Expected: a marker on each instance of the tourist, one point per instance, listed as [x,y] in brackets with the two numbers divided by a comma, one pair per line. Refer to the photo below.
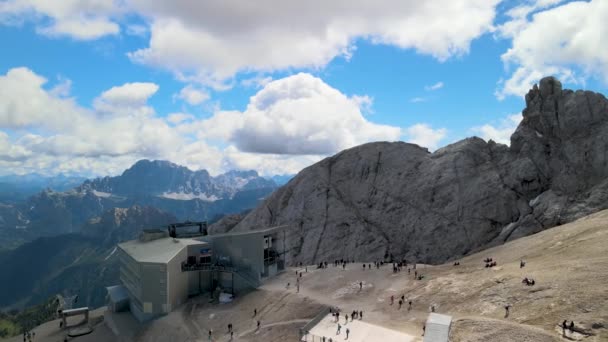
[347,332]
[363,266]
[572,326]
[507,310]
[210,334]
[255,312]
[360,285]
[392,299]
[564,326]
[400,303]
[345,319]
[410,306]
[360,315]
[258,326]
[339,327]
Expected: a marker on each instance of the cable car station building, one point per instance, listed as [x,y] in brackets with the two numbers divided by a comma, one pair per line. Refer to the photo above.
[162,269]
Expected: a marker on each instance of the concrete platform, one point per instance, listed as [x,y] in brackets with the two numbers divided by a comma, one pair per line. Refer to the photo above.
[360,331]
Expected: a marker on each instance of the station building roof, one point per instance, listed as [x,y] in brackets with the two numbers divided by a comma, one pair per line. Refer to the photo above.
[159,251]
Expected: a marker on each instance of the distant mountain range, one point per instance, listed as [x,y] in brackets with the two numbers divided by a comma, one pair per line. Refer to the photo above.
[167,180]
[175,189]
[14,188]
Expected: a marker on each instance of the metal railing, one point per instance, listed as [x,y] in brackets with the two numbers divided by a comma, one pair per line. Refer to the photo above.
[305,330]
[206,267]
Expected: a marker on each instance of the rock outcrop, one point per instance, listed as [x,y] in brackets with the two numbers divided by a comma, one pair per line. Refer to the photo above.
[381,199]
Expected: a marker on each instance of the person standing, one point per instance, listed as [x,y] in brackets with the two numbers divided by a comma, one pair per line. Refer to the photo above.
[347,332]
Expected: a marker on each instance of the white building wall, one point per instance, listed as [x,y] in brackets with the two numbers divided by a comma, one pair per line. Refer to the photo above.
[178,281]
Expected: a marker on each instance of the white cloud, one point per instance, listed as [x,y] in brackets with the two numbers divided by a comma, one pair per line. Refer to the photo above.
[301,114]
[212,41]
[177,118]
[364,102]
[256,81]
[82,20]
[500,133]
[289,124]
[425,136]
[418,99]
[24,103]
[569,41]
[127,99]
[435,86]
[137,30]
[267,164]
[192,95]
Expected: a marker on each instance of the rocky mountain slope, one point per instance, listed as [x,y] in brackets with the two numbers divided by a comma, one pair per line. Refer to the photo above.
[383,199]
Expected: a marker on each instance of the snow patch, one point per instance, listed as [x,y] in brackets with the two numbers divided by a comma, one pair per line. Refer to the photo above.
[101,194]
[111,253]
[182,196]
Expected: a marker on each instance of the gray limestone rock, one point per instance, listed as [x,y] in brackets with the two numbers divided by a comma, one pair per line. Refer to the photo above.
[384,199]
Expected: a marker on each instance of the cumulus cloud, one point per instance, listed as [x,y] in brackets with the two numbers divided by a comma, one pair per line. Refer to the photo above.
[569,41]
[425,136]
[115,127]
[177,118]
[127,99]
[82,20]
[287,125]
[433,87]
[300,115]
[193,95]
[256,81]
[501,132]
[212,41]
[24,103]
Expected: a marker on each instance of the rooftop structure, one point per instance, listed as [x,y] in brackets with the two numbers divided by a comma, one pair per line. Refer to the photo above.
[157,251]
[437,328]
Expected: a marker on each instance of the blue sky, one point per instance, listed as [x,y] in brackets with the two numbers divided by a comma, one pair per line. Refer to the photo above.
[89,88]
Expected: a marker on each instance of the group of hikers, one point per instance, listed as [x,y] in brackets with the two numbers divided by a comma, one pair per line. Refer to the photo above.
[528,281]
[490,262]
[402,301]
[565,326]
[355,314]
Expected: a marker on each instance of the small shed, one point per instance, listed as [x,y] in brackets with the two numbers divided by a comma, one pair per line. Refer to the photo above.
[118,298]
[437,328]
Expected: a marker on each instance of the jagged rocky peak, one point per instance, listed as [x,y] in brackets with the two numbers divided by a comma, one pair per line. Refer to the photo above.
[381,199]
